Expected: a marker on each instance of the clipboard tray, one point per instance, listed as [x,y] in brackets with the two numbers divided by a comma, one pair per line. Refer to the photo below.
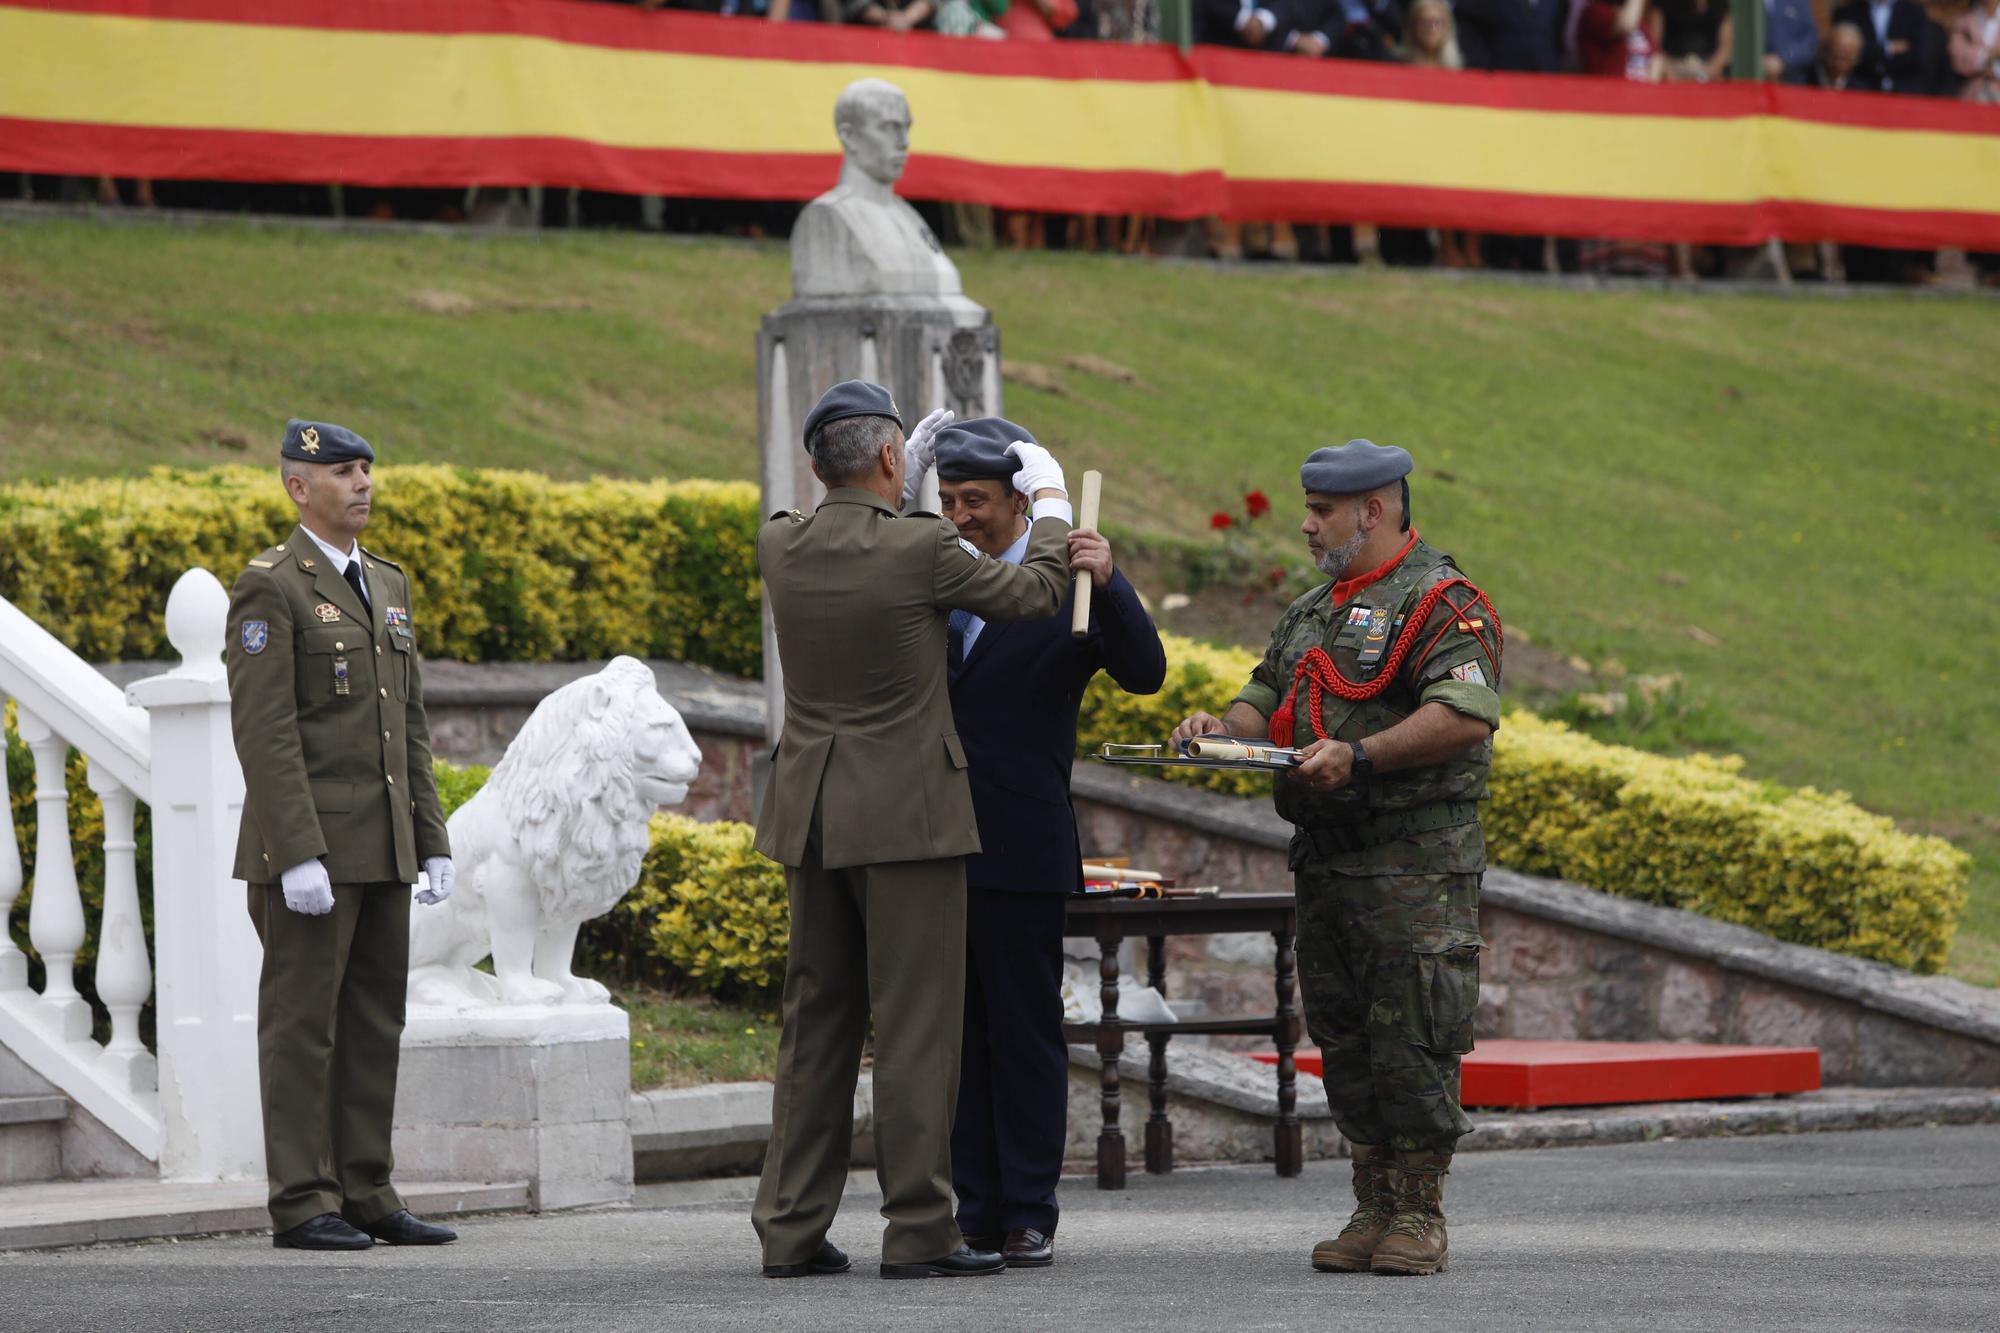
[1236,752]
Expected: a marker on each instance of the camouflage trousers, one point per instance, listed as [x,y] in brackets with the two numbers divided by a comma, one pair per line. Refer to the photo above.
[1389,968]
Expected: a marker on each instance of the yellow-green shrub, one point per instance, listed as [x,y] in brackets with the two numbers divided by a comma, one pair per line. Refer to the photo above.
[508,566]
[714,909]
[1802,865]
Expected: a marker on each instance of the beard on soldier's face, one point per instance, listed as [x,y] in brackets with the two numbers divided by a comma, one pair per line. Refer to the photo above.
[1333,560]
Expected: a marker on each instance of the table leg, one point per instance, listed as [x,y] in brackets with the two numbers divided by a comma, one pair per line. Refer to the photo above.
[1159,1129]
[1290,1149]
[1110,1045]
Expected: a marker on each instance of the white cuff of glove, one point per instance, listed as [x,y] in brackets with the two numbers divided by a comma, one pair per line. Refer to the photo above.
[1055,507]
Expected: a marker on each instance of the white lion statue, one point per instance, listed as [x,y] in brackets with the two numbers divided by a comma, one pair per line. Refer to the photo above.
[554,838]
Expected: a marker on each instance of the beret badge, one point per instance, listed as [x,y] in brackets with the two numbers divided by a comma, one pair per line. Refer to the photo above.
[309,439]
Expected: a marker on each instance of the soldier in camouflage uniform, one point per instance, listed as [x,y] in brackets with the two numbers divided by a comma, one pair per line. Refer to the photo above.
[1389,678]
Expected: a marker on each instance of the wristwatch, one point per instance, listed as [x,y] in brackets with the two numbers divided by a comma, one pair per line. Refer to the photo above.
[1362,767]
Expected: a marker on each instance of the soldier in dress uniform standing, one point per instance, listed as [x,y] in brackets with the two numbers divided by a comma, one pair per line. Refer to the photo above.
[1389,677]
[869,811]
[340,812]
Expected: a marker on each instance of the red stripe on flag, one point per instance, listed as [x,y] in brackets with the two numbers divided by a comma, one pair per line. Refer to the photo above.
[1584,215]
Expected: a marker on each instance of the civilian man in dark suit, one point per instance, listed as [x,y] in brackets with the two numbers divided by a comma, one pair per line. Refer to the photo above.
[1898,48]
[1015,691]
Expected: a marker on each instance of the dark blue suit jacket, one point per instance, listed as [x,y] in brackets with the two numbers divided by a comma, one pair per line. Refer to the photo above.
[1015,700]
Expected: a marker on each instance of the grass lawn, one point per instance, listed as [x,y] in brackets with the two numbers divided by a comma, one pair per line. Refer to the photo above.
[1786,502]
[680,1041]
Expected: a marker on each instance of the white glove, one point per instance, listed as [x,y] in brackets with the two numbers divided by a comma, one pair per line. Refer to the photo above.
[440,871]
[307,888]
[920,452]
[1039,469]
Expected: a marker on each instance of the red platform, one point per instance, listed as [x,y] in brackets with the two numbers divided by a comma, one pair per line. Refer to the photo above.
[1528,1075]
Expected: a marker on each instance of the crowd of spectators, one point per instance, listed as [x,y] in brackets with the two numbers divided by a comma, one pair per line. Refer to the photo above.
[1946,48]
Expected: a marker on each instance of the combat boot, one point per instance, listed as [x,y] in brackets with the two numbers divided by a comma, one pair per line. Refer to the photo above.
[1415,1241]
[1351,1250]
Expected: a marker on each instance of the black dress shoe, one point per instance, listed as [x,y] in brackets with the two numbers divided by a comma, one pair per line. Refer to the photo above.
[399,1228]
[961,1262]
[1028,1248]
[828,1258]
[328,1231]
[984,1240]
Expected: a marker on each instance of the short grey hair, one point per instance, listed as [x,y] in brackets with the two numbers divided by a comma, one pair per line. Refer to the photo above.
[845,449]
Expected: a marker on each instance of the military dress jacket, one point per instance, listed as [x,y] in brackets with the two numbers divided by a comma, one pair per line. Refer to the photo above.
[860,598]
[326,703]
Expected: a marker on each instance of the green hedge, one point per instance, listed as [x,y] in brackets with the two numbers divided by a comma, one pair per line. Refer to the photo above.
[508,566]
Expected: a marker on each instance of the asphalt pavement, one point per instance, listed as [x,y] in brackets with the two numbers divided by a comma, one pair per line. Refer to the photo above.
[1874,1230]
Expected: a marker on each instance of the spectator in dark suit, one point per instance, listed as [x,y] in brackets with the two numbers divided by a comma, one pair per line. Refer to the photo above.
[1899,50]
[1791,40]
[1015,692]
[1255,25]
[1520,35]
[1838,68]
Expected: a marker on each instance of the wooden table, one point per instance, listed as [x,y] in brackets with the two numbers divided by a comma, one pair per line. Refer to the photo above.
[1110,921]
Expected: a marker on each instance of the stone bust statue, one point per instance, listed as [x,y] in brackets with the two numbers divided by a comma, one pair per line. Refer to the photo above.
[859,238]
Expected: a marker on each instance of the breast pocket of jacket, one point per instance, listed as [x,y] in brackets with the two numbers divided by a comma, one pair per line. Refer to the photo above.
[328,656]
[399,665]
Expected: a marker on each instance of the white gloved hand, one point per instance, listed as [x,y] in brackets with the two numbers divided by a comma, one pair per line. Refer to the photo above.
[1039,470]
[920,452]
[307,888]
[440,871]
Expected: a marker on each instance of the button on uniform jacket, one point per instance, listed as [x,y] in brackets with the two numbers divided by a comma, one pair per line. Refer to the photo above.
[1016,699]
[341,775]
[860,598]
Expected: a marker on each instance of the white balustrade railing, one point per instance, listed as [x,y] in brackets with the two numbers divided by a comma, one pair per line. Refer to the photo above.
[192,1105]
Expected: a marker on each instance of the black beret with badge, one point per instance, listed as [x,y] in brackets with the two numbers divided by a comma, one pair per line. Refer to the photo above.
[850,398]
[1354,468]
[976,450]
[323,442]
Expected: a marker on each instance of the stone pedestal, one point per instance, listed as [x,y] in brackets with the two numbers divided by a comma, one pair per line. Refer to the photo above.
[928,351]
[539,1093]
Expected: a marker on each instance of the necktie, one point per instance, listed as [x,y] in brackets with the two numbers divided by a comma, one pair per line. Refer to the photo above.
[353,574]
[960,622]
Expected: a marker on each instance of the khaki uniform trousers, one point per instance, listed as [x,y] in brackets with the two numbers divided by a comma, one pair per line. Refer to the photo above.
[888,939]
[329,1033]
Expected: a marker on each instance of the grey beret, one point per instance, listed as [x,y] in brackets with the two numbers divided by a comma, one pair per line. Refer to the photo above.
[850,398]
[976,450]
[323,442]
[1354,468]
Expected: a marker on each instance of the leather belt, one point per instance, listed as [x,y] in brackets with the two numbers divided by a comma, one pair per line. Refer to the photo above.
[1336,839]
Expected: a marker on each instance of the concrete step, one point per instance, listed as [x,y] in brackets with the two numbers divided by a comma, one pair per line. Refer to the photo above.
[31,1137]
[89,1212]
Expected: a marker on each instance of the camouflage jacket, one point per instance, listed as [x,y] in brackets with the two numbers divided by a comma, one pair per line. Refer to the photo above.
[1419,820]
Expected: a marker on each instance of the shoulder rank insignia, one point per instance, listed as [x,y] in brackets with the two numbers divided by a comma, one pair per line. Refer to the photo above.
[327,612]
[256,633]
[260,564]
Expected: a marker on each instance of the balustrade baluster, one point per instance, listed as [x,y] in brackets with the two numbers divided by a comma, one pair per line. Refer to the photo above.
[55,913]
[124,973]
[13,963]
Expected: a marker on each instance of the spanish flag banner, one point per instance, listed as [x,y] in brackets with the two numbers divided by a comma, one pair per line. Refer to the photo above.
[568,93]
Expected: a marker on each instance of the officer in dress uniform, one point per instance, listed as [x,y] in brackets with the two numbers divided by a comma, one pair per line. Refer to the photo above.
[1389,677]
[869,812]
[340,811]
[1015,692]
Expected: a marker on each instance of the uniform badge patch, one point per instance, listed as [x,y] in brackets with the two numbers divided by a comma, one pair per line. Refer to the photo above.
[327,612]
[309,439]
[1469,673]
[1357,615]
[970,549]
[394,616]
[256,633]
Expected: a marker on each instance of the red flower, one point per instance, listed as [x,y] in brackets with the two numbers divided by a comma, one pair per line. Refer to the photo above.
[1276,575]
[1219,520]
[1257,503]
